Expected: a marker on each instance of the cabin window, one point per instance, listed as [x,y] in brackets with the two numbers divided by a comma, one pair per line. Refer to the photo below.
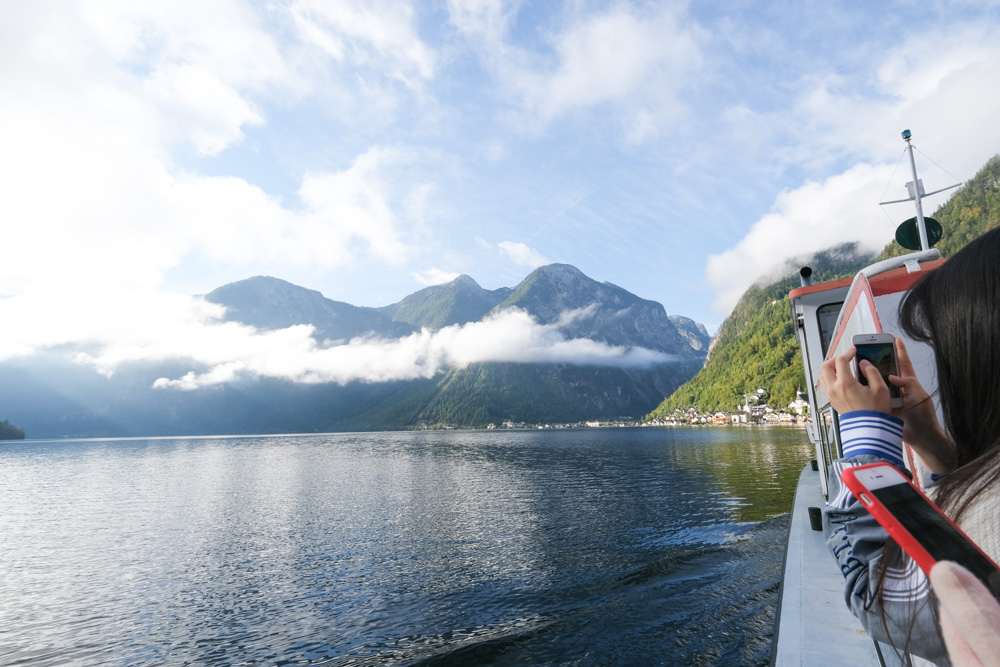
[828,425]
[826,317]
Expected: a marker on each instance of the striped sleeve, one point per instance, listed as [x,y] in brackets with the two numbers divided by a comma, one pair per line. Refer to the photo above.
[872,432]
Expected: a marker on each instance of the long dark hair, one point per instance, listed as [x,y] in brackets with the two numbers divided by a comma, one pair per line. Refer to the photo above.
[956,310]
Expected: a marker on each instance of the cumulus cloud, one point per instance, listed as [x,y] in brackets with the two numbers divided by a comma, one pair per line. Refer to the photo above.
[107,100]
[523,254]
[807,219]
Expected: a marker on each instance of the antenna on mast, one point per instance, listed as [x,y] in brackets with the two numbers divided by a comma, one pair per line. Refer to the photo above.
[915,188]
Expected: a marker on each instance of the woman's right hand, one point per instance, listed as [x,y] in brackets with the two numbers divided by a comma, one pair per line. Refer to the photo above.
[921,429]
[845,392]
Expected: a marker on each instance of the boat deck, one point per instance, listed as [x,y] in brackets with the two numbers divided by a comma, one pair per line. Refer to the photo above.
[814,625]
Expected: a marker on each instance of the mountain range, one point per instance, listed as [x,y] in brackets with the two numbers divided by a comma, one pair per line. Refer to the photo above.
[50,395]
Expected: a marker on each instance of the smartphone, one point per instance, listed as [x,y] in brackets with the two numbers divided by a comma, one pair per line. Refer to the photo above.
[916,523]
[880,351]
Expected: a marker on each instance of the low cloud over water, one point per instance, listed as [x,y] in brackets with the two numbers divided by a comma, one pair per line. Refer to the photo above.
[173,327]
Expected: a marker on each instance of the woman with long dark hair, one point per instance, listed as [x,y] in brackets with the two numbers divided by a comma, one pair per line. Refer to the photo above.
[956,310]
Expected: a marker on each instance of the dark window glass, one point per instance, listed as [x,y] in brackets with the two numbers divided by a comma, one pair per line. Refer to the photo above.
[826,317]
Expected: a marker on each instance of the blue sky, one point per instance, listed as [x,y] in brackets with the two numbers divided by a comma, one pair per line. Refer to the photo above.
[369,148]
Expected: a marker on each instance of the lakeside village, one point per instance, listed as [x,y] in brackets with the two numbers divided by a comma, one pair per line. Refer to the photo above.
[754,410]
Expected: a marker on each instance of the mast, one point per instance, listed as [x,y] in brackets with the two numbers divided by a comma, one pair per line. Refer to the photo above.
[916,188]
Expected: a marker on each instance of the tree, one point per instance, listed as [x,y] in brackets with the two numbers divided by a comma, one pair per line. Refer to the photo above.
[10,432]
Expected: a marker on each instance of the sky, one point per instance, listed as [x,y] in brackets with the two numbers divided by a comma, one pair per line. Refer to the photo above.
[151,152]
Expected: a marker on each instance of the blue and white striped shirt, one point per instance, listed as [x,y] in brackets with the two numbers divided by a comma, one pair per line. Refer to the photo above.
[872,432]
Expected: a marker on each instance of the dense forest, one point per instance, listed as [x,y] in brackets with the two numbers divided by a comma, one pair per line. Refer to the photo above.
[756,346]
[10,432]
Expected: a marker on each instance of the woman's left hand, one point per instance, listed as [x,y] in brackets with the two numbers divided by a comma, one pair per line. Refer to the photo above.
[846,393]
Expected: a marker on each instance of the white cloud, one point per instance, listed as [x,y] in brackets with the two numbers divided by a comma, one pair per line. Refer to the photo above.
[372,36]
[613,57]
[485,20]
[103,100]
[354,204]
[231,350]
[915,88]
[133,325]
[522,254]
[637,61]
[128,224]
[434,276]
[126,323]
[198,103]
[919,90]
[813,217]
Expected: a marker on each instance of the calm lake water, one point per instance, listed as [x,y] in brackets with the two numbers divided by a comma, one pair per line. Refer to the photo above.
[580,547]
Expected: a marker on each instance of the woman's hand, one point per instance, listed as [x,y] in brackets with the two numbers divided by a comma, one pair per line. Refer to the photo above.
[846,393]
[921,429]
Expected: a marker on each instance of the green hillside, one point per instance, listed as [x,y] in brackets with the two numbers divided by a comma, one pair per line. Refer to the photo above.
[484,393]
[756,346]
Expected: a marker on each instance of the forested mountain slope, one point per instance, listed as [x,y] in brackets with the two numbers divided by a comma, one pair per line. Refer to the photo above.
[756,347]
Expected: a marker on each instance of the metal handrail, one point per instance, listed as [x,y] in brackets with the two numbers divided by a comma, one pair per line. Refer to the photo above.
[895,262]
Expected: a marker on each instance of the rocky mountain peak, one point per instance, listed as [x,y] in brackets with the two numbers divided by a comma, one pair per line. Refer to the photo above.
[616,316]
[465,281]
[272,303]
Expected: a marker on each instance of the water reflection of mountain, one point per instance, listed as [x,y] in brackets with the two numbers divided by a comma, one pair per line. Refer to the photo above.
[756,468]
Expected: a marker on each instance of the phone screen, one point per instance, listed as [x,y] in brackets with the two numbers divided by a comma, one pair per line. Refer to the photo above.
[935,533]
[883,357]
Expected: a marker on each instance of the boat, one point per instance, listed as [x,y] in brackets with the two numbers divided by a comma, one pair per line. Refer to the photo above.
[813,624]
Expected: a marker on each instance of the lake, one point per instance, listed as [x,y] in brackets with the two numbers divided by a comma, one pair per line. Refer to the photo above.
[559,547]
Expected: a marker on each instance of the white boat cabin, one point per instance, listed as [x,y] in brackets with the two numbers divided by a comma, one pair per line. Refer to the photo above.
[828,315]
[814,625]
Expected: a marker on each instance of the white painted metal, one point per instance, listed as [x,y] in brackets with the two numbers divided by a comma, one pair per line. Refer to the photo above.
[815,627]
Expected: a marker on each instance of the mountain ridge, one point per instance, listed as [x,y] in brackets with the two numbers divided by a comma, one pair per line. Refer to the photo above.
[52,395]
[271,303]
[457,302]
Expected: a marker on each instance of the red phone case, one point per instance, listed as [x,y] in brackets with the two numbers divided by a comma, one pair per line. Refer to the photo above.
[908,542]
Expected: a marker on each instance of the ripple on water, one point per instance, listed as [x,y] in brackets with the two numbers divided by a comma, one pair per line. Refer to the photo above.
[393,549]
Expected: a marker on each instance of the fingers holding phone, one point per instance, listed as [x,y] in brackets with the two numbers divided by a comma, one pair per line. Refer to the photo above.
[879,350]
[869,374]
[921,429]
[846,393]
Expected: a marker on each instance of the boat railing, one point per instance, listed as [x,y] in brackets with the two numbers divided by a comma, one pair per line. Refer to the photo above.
[911,261]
